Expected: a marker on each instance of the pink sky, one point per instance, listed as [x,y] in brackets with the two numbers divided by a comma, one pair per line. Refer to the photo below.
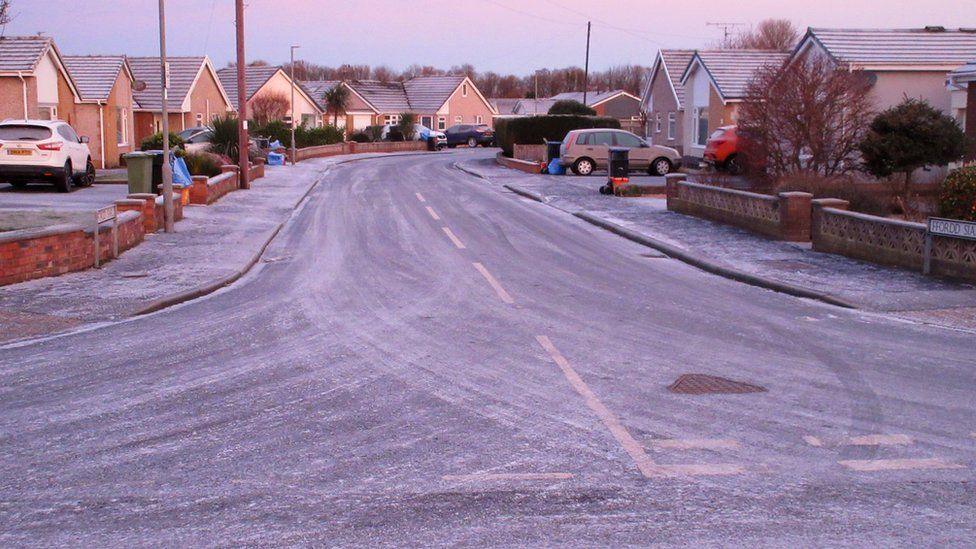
[502,35]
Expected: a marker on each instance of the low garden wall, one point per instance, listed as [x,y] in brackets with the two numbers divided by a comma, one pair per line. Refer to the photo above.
[887,241]
[50,251]
[207,190]
[515,164]
[785,216]
[352,147]
[530,153]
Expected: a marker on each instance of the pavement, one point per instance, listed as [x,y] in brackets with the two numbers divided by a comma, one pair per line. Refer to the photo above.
[423,358]
[864,285]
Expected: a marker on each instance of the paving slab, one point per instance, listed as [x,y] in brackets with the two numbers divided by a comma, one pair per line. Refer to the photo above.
[866,285]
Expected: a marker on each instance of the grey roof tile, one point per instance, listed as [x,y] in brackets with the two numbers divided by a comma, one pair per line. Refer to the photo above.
[182,72]
[505,105]
[675,61]
[733,70]
[898,46]
[94,75]
[592,98]
[21,53]
[254,78]
[429,93]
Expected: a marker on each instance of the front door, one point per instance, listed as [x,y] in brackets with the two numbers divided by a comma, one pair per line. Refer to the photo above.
[427,121]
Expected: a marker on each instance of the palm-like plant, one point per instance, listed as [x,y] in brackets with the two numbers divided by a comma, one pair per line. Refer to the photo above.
[337,101]
[225,137]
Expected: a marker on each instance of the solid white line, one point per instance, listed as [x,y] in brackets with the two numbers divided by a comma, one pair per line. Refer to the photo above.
[873,465]
[694,444]
[700,469]
[487,477]
[457,241]
[420,197]
[433,213]
[644,463]
[494,283]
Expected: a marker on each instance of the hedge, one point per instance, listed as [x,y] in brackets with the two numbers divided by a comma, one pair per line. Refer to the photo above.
[533,130]
[958,197]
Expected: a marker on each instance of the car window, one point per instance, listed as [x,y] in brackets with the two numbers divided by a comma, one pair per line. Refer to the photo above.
[717,133]
[67,133]
[24,132]
[202,137]
[601,138]
[627,140]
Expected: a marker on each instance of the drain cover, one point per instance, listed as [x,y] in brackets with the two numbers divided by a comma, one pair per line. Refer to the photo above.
[702,384]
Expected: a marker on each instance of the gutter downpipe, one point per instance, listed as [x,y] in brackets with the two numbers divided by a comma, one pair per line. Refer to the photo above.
[23,84]
[101,131]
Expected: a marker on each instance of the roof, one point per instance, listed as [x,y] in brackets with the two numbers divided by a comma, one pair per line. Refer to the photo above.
[534,106]
[383,96]
[505,105]
[429,93]
[182,73]
[254,78]
[921,46]
[592,98]
[674,63]
[732,70]
[22,53]
[964,74]
[95,75]
[318,88]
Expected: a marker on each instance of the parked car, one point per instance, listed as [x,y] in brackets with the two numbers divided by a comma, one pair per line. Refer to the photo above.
[196,139]
[44,151]
[471,135]
[587,150]
[722,150]
[420,133]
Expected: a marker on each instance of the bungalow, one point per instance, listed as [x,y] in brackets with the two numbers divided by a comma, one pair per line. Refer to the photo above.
[715,83]
[438,101]
[34,82]
[901,62]
[262,81]
[614,103]
[662,102]
[963,80]
[196,95]
[357,115]
[105,113]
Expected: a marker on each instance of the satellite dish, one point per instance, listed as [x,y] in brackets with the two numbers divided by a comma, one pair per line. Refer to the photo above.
[139,86]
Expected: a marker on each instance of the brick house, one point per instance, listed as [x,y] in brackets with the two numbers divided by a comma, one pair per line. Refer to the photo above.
[662,102]
[963,83]
[34,82]
[105,112]
[715,84]
[438,101]
[617,104]
[358,114]
[263,80]
[196,95]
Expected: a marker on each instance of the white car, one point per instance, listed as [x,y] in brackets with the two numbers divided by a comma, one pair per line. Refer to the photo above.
[44,150]
[420,133]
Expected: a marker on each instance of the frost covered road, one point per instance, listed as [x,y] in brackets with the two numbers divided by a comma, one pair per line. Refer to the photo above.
[425,359]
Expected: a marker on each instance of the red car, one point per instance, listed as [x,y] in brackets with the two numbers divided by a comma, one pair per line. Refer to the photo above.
[722,150]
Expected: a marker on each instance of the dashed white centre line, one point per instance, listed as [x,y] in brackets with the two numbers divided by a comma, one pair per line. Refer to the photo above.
[694,444]
[487,477]
[420,197]
[457,241]
[433,213]
[874,465]
[862,440]
[502,294]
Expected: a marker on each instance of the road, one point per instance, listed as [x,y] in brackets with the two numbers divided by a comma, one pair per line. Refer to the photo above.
[425,359]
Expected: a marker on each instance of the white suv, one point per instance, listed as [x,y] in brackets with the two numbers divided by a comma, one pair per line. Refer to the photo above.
[44,150]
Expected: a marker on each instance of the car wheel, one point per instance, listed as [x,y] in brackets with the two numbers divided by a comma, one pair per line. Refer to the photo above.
[472,142]
[88,178]
[18,184]
[583,166]
[733,165]
[63,183]
[661,166]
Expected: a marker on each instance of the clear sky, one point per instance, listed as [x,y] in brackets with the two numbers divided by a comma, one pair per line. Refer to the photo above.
[516,36]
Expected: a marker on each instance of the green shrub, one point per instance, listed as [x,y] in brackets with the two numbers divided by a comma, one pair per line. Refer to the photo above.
[203,163]
[276,129]
[568,106]
[155,142]
[360,137]
[313,137]
[533,130]
[224,138]
[957,200]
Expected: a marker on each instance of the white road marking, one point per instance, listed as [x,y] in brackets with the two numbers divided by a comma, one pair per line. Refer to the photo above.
[863,440]
[433,213]
[644,463]
[694,444]
[457,241]
[420,197]
[494,283]
[873,465]
[700,469]
[487,477]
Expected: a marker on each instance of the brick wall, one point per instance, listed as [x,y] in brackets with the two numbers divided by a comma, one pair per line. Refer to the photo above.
[208,190]
[56,250]
[516,164]
[531,153]
[785,216]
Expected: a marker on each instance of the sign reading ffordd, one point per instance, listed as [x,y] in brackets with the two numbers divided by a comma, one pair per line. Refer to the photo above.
[952,227]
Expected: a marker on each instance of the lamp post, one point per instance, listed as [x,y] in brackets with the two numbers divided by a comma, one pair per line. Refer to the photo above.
[293,155]
[167,169]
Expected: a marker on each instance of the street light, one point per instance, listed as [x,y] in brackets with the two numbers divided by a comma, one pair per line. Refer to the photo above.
[293,48]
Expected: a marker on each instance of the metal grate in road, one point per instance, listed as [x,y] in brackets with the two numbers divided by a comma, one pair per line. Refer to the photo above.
[703,384]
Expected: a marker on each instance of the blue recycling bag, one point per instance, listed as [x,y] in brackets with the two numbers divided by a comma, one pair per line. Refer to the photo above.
[275,145]
[275,159]
[181,174]
[556,167]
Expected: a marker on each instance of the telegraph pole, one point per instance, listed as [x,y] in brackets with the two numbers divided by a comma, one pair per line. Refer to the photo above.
[167,168]
[293,152]
[243,144]
[586,71]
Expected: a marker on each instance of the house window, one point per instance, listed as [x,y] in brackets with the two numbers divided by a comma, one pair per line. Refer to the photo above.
[672,125]
[391,119]
[657,123]
[48,113]
[308,120]
[701,126]
[199,118]
[426,121]
[441,122]
[478,119]
[464,90]
[157,126]
[458,119]
[121,126]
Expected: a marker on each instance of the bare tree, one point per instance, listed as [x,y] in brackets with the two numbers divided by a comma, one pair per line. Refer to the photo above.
[806,116]
[5,15]
[269,106]
[769,34]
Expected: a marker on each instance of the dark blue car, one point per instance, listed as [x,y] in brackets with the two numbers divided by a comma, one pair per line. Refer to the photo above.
[471,135]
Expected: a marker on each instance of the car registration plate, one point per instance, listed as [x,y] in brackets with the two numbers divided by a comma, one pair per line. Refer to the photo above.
[19,152]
